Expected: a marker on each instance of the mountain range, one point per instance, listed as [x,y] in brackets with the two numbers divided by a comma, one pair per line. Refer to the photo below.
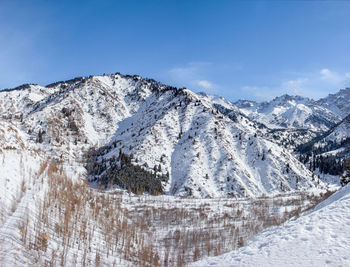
[179,142]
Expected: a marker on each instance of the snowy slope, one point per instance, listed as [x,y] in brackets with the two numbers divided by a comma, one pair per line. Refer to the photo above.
[335,144]
[205,153]
[327,152]
[17,167]
[340,132]
[319,238]
[76,114]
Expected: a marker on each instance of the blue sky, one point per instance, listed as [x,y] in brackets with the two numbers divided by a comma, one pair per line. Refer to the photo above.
[236,49]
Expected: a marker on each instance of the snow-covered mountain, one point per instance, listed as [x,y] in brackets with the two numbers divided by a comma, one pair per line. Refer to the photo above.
[288,112]
[281,134]
[139,135]
[177,136]
[329,151]
[297,123]
[338,103]
[340,132]
[318,238]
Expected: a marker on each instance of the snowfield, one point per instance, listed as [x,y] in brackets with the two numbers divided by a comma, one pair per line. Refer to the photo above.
[318,238]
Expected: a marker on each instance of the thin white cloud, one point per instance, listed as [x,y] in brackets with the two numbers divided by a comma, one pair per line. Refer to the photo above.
[260,92]
[331,76]
[205,84]
[315,85]
[193,76]
[325,73]
[191,71]
[295,86]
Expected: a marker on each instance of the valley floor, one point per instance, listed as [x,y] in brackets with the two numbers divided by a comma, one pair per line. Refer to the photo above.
[55,220]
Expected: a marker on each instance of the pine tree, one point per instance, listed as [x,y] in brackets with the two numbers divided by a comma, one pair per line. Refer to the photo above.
[345,178]
[40,136]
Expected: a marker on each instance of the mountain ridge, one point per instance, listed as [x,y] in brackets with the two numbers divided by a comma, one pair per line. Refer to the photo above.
[223,157]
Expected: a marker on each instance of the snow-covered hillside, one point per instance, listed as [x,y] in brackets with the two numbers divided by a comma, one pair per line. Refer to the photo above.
[340,132]
[205,153]
[169,132]
[328,152]
[318,238]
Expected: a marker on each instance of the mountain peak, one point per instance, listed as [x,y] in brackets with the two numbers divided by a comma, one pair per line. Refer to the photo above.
[287,97]
[337,102]
[287,111]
